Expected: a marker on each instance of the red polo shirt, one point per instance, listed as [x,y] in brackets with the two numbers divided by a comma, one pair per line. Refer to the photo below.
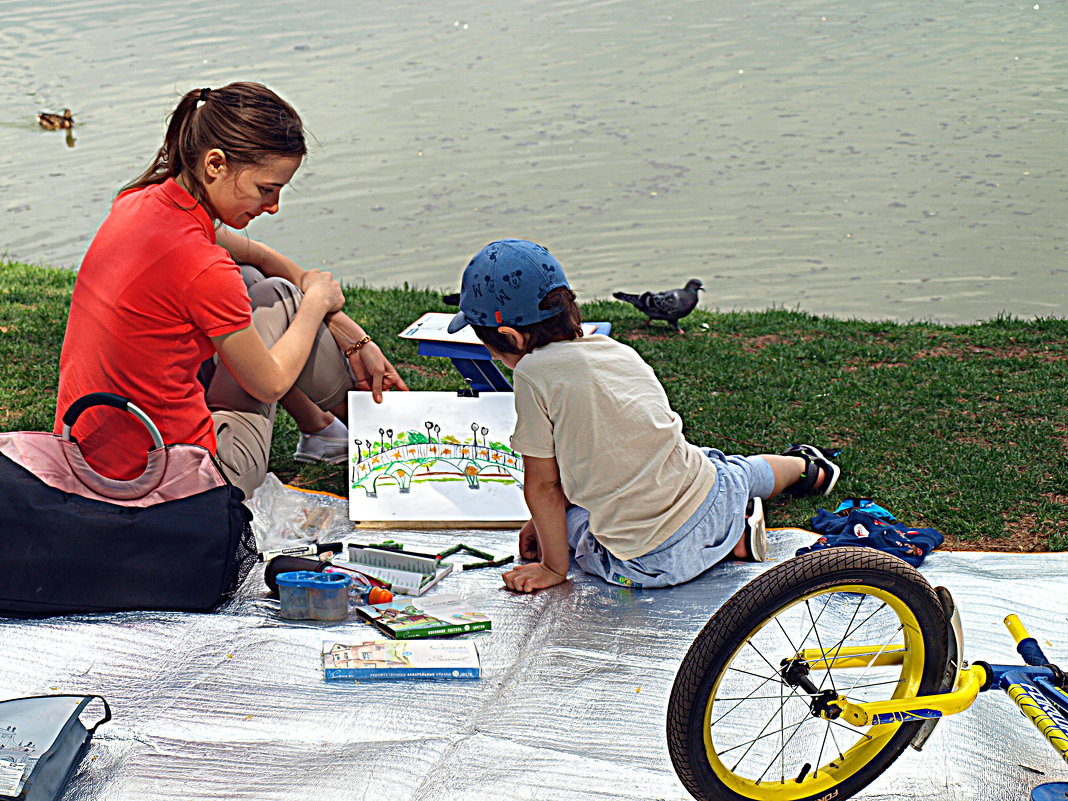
[151,290]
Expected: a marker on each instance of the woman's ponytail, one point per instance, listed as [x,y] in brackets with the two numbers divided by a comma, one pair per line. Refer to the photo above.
[246,121]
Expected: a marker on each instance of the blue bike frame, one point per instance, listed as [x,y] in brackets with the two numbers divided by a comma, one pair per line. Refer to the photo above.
[1033,688]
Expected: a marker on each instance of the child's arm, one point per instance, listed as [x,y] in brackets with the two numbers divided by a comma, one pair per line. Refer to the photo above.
[548,506]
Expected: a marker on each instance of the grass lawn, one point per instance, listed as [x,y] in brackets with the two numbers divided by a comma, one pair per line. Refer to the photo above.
[963,428]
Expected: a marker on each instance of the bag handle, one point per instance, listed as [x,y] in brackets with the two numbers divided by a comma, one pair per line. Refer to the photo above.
[86,700]
[110,487]
[70,417]
[107,711]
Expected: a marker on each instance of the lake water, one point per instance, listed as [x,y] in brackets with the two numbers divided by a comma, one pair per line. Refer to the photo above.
[875,159]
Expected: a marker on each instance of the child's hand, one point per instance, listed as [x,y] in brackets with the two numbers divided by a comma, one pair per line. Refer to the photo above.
[528,542]
[532,577]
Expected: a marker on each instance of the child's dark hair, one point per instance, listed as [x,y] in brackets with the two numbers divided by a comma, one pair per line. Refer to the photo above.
[561,327]
[246,121]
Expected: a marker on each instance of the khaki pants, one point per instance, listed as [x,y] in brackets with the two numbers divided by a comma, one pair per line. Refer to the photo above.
[243,424]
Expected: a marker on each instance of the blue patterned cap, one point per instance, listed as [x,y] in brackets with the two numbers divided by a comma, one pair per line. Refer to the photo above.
[504,283]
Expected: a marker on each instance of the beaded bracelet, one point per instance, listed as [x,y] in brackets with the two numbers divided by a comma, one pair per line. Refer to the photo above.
[355,346]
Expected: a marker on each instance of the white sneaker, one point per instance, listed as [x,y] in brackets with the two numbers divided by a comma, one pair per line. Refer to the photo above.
[756,535]
[317,448]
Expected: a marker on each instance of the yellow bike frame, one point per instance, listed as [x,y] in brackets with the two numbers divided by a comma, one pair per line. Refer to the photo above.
[1030,688]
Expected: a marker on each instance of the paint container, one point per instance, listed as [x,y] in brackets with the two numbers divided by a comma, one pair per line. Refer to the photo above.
[363,591]
[305,595]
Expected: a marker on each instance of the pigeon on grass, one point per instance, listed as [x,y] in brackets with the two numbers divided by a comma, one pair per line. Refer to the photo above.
[671,304]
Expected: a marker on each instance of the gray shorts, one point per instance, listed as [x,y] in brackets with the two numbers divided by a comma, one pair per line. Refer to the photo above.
[707,536]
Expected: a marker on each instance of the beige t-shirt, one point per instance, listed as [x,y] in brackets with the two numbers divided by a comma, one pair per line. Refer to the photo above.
[594,405]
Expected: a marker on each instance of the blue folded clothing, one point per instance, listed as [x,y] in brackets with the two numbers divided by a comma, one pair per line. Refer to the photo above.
[866,505]
[860,528]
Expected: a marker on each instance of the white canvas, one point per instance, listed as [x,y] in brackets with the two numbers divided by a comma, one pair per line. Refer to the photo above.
[434,456]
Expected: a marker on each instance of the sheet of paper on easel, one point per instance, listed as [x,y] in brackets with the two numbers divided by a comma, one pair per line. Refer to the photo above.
[434,457]
[434,326]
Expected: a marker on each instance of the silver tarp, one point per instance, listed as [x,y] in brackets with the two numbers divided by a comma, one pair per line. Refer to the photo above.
[571,705]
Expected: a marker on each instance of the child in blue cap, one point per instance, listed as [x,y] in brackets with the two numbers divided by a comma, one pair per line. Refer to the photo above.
[607,471]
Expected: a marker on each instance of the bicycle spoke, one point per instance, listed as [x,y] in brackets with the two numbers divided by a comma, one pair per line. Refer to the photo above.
[797,648]
[797,694]
[741,701]
[872,684]
[797,728]
[782,742]
[763,734]
[767,661]
[804,638]
[819,643]
[881,650]
[831,725]
[850,628]
[861,677]
[782,750]
[823,744]
[761,676]
[760,736]
[782,705]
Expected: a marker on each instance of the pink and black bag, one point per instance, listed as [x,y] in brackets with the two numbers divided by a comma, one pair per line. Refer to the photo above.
[177,537]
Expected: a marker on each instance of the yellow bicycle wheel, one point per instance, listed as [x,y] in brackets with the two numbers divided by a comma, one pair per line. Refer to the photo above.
[744,718]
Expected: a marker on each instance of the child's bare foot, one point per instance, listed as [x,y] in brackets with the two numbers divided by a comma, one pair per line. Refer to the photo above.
[528,542]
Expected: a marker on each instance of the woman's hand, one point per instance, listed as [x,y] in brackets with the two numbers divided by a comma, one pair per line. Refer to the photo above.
[532,577]
[320,287]
[374,372]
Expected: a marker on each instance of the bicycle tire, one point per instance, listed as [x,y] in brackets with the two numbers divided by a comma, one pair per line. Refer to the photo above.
[713,672]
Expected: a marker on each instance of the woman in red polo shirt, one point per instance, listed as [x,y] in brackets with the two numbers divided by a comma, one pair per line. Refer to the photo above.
[163,315]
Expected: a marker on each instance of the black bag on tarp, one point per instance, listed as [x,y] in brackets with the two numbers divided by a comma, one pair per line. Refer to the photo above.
[177,537]
[42,741]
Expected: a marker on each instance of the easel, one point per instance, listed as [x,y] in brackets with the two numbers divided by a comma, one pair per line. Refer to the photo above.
[468,355]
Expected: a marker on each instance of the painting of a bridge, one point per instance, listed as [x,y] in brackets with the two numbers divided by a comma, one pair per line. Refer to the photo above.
[426,456]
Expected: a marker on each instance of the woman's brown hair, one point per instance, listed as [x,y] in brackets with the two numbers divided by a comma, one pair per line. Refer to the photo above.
[246,121]
[561,327]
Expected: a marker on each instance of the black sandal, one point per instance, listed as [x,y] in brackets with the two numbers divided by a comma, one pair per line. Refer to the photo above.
[817,462]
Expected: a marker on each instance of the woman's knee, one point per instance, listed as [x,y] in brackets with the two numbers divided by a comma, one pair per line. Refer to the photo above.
[250,275]
[243,446]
